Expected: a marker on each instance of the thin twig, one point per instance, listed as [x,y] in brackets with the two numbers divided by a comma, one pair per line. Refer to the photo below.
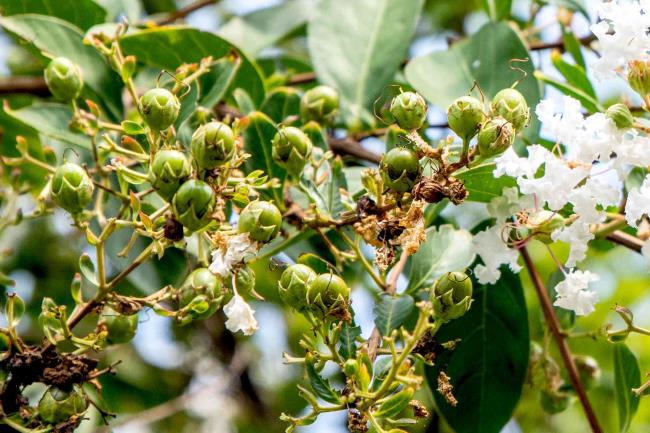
[560,339]
[24,84]
[184,11]
[627,240]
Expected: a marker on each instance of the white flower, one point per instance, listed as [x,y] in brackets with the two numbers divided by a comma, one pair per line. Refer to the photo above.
[489,245]
[555,185]
[638,203]
[240,316]
[572,293]
[240,248]
[508,203]
[577,235]
[511,164]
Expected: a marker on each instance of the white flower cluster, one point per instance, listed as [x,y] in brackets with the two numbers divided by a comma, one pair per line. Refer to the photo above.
[553,181]
[622,34]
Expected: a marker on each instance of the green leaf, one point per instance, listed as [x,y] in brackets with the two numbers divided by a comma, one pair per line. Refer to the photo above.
[395,404]
[574,74]
[357,47]
[133,128]
[481,184]
[243,100]
[488,366]
[445,250]
[347,340]
[390,312]
[319,384]
[317,263]
[87,268]
[264,27]
[50,120]
[5,280]
[55,37]
[573,46]
[281,103]
[574,5]
[14,310]
[131,9]
[225,70]
[497,10]
[485,58]
[82,13]
[75,289]
[626,376]
[587,101]
[331,190]
[169,47]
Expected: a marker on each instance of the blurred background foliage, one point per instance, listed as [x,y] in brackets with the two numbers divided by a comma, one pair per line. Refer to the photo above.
[201,377]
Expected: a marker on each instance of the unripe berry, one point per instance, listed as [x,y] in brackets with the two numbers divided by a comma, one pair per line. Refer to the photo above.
[319,103]
[512,106]
[400,169]
[554,402]
[261,220]
[57,405]
[496,135]
[193,204]
[465,116]
[409,110]
[71,187]
[199,296]
[213,144]
[121,328]
[588,369]
[639,76]
[621,115]
[160,108]
[244,279]
[63,78]
[169,170]
[293,285]
[451,296]
[291,149]
[543,223]
[328,289]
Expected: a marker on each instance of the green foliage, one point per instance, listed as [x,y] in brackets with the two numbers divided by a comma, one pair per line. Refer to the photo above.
[626,377]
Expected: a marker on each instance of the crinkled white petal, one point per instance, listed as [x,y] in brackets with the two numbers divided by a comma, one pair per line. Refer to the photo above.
[240,316]
[240,248]
[573,293]
[489,245]
[638,203]
[508,203]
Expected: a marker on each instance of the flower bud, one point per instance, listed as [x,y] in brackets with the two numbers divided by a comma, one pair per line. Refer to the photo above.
[261,220]
[121,328]
[512,106]
[244,279]
[554,402]
[193,204]
[465,116]
[291,149]
[409,110]
[57,405]
[63,78]
[543,223]
[451,296]
[588,369]
[639,76]
[496,135]
[199,296]
[621,115]
[400,169]
[319,103]
[160,108]
[328,290]
[351,367]
[213,144]
[293,285]
[72,188]
[169,170]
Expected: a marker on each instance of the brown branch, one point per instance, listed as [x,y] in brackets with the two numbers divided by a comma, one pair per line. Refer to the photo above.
[24,84]
[183,12]
[348,146]
[560,339]
[627,240]
[585,40]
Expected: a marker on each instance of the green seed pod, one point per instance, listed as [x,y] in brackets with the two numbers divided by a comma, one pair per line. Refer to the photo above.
[512,106]
[199,296]
[451,296]
[193,204]
[121,328]
[261,220]
[170,169]
[351,367]
[327,290]
[554,402]
[621,115]
[57,405]
[72,188]
[63,78]
[496,135]
[400,169]
[409,110]
[291,149]
[160,108]
[244,279]
[588,369]
[293,285]
[543,223]
[465,116]
[5,342]
[639,76]
[320,104]
[213,144]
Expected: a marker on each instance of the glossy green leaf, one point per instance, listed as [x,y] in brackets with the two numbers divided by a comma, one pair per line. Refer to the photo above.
[319,384]
[5,280]
[258,135]
[348,340]
[395,404]
[264,27]
[169,47]
[131,9]
[243,101]
[14,310]
[481,184]
[573,46]
[626,376]
[391,312]
[357,47]
[281,103]
[574,74]
[55,37]
[587,101]
[75,289]
[317,263]
[331,189]
[82,13]
[445,250]
[133,128]
[488,365]
[225,70]
[497,10]
[50,120]
[87,269]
